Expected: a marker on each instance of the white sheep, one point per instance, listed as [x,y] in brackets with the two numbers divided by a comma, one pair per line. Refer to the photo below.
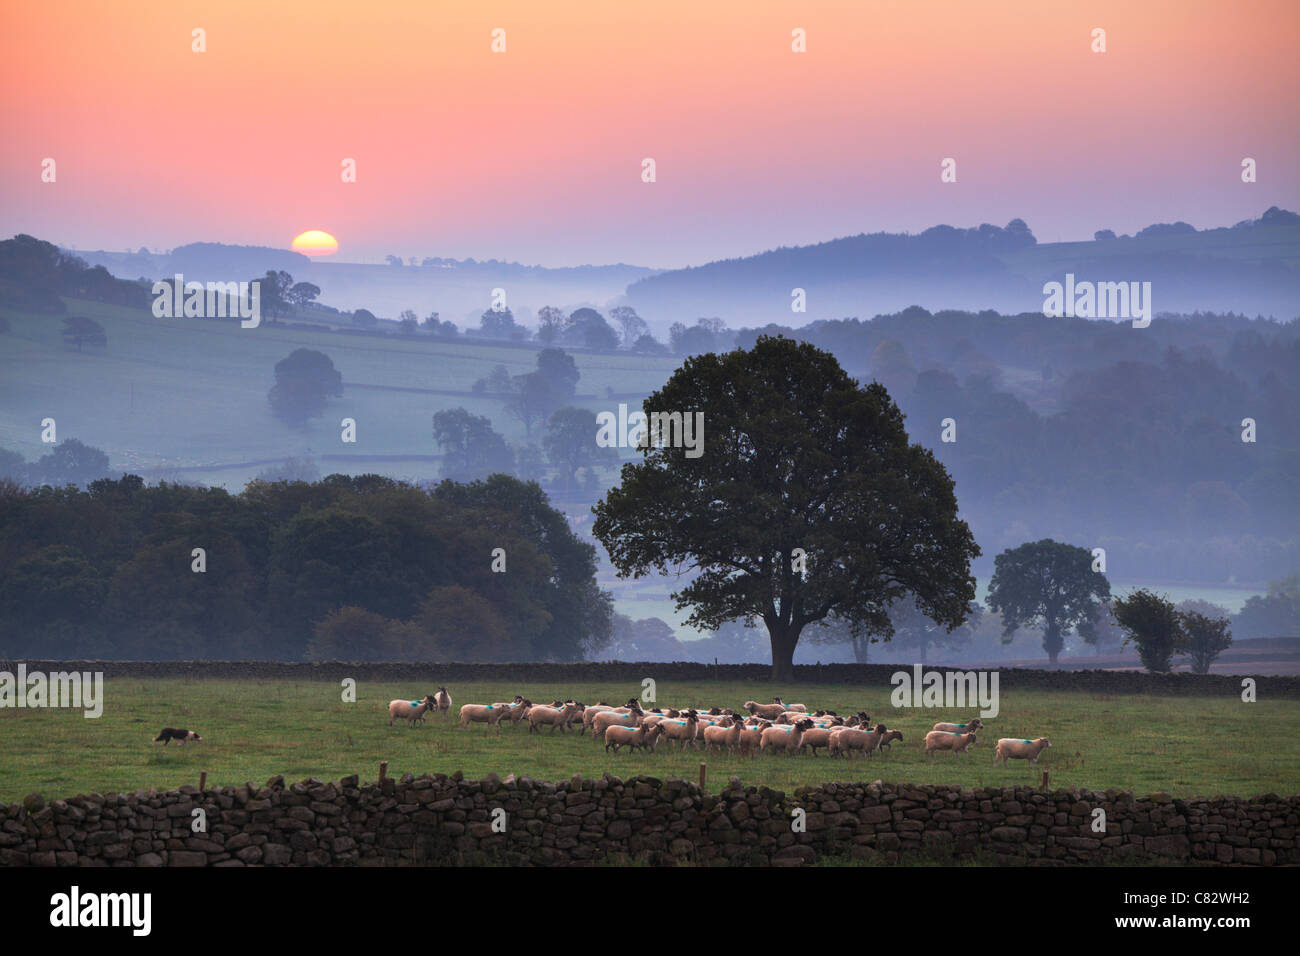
[541,714]
[1019,749]
[725,735]
[643,736]
[945,740]
[767,711]
[443,700]
[846,740]
[411,710]
[788,739]
[682,731]
[489,714]
[974,725]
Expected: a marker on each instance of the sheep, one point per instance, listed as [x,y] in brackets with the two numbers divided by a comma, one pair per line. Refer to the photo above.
[412,710]
[818,736]
[768,711]
[887,737]
[576,717]
[443,699]
[517,710]
[751,735]
[612,718]
[1018,749]
[644,735]
[682,731]
[945,740]
[589,715]
[724,735]
[781,738]
[801,708]
[845,740]
[550,715]
[971,726]
[489,714]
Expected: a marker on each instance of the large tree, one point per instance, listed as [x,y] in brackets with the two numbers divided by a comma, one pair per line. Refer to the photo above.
[808,500]
[1046,584]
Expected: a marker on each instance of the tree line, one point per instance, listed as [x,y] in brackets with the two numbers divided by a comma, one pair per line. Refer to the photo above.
[482,571]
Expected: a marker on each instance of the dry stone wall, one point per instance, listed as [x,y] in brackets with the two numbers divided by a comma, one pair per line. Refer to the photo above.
[439,819]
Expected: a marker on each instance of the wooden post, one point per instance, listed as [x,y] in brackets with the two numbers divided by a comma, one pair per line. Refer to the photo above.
[203,781]
[702,766]
[1044,779]
[383,770]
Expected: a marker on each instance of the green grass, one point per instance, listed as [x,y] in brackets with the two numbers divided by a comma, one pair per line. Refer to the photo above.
[254,730]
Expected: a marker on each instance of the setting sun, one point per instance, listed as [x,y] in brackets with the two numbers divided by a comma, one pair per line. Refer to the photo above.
[314,242]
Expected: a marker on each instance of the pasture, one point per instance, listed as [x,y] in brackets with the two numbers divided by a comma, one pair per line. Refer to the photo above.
[254,730]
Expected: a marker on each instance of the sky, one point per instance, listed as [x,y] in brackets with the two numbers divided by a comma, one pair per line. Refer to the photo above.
[535,154]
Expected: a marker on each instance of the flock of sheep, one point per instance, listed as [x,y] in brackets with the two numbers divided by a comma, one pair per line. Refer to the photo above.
[776,727]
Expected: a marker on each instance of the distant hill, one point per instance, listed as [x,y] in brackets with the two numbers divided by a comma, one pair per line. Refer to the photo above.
[455,288]
[1252,267]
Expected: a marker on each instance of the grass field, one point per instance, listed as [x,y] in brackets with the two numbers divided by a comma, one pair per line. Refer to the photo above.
[254,730]
[183,393]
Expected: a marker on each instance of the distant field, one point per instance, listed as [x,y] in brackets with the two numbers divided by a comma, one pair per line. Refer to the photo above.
[254,730]
[186,393]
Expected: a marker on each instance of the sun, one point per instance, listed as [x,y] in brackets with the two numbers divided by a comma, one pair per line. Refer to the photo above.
[314,242]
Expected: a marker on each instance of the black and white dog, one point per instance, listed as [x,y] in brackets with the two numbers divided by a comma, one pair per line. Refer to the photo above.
[171,733]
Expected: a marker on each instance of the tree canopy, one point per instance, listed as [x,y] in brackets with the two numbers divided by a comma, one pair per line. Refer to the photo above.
[808,500]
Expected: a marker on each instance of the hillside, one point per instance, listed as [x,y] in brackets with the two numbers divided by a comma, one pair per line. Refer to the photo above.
[1252,268]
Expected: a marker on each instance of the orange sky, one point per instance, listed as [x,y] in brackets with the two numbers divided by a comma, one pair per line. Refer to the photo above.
[535,154]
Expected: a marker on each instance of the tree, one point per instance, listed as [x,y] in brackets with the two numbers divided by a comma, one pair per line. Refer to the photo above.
[913,630]
[364,319]
[473,450]
[633,325]
[79,330]
[559,371]
[551,323]
[70,463]
[463,626]
[649,345]
[1154,626]
[497,324]
[355,634]
[274,295]
[303,294]
[649,639]
[304,381]
[1046,584]
[808,501]
[588,327]
[832,631]
[1207,638]
[1276,614]
[1101,630]
[570,442]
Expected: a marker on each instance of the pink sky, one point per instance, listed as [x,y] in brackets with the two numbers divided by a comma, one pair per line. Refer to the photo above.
[535,154]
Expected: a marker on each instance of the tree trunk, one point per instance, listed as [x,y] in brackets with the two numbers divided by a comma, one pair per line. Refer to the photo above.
[1052,642]
[782,654]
